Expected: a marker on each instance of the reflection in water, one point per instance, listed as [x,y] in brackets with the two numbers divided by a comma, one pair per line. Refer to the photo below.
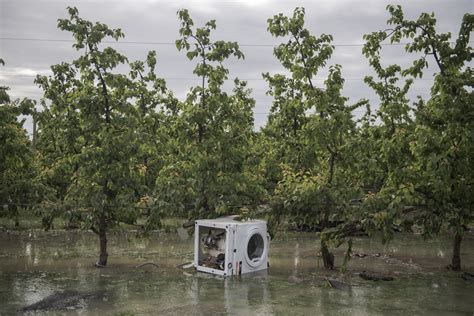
[247,294]
[296,258]
[28,250]
[37,265]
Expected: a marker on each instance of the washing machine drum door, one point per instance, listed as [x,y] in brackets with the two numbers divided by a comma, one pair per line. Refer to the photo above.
[257,247]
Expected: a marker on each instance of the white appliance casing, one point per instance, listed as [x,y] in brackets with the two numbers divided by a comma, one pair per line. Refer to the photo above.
[238,234]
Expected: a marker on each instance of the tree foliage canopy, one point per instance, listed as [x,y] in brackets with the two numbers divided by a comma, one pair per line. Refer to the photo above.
[114,145]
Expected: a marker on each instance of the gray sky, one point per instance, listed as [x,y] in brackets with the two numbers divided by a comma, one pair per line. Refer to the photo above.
[25,23]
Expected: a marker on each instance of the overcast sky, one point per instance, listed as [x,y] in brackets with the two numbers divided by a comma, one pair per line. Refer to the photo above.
[30,41]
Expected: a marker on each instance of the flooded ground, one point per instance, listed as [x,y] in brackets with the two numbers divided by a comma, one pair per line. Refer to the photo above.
[36,264]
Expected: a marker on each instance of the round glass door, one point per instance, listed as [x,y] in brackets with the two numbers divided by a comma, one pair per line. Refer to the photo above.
[255,247]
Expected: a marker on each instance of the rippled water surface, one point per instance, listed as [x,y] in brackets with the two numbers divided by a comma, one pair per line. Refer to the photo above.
[34,265]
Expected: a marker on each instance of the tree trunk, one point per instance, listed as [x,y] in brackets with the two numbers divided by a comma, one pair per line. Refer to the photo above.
[200,132]
[332,159]
[456,260]
[328,258]
[103,242]
[33,142]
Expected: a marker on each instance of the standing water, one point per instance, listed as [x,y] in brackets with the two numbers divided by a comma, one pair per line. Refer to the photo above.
[35,265]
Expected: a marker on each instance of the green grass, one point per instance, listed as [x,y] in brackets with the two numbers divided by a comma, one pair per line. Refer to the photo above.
[28,221]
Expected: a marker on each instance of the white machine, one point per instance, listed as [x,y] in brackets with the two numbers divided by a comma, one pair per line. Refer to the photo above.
[225,246]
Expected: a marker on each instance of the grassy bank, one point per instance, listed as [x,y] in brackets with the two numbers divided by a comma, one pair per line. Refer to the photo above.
[29,221]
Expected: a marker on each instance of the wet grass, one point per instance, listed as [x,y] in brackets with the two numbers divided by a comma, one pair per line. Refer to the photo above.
[29,221]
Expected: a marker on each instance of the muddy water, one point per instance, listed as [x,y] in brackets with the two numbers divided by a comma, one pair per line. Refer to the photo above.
[34,265]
